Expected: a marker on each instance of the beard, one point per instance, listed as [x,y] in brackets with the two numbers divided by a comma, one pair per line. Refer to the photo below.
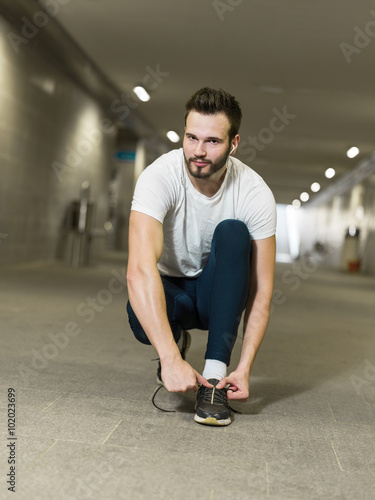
[213,166]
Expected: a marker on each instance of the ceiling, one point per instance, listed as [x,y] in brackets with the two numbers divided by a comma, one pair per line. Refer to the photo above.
[310,61]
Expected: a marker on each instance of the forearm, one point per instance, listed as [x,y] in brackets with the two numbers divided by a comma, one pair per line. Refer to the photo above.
[147,298]
[255,325]
[146,295]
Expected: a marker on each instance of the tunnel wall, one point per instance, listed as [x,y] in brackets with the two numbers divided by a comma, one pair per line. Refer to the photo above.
[53,137]
[328,224]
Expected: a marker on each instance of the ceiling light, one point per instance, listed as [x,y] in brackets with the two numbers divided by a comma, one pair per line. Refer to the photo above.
[315,187]
[296,203]
[329,173]
[141,93]
[352,152]
[304,196]
[173,136]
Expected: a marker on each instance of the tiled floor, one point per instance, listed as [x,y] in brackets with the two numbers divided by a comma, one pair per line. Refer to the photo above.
[86,427]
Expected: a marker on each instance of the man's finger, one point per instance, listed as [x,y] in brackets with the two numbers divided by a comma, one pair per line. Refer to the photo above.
[223,382]
[202,380]
[237,396]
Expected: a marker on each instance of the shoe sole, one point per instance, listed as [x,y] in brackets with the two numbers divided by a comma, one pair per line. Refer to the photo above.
[212,421]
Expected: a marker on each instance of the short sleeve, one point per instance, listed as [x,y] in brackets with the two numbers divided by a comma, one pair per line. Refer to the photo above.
[154,193]
[260,213]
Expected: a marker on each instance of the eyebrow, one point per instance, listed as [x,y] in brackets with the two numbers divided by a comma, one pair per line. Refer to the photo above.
[207,138]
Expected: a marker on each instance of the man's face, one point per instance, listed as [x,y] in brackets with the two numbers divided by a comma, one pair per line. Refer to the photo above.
[206,143]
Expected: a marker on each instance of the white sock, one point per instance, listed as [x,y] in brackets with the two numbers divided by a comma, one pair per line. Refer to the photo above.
[214,369]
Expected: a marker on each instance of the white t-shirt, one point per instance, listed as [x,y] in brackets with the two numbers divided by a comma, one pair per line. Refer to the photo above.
[165,192]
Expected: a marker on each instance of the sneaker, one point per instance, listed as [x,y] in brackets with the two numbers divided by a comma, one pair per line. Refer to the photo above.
[186,341]
[212,406]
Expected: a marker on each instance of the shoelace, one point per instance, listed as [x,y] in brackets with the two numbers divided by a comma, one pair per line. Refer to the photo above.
[158,407]
[217,396]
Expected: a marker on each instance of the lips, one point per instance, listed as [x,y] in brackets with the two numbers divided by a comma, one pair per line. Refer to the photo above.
[200,163]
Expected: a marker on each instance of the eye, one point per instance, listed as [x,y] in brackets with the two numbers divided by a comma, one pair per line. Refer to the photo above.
[214,141]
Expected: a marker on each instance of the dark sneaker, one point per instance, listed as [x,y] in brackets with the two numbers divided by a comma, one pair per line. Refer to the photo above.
[212,406]
[186,341]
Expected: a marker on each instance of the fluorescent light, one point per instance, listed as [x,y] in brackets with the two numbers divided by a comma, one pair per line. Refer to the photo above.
[296,203]
[141,93]
[173,136]
[315,187]
[304,196]
[360,212]
[352,152]
[329,173]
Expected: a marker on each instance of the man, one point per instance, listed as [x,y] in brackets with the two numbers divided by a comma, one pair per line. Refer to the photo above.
[201,251]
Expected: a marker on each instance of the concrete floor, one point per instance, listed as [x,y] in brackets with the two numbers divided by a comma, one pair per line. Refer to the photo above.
[86,427]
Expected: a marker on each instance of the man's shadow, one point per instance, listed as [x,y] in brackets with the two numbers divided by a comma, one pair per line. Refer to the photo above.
[263,392]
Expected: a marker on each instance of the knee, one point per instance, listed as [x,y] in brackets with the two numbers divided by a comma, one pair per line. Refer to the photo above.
[136,327]
[233,234]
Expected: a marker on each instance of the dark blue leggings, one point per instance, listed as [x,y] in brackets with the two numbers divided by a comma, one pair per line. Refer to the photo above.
[215,300]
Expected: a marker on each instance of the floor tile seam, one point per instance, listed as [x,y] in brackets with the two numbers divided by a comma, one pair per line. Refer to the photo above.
[367,402]
[42,454]
[109,446]
[64,440]
[267,479]
[112,431]
[337,457]
[69,393]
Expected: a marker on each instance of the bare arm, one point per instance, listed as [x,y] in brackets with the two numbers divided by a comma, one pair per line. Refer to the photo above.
[256,317]
[147,298]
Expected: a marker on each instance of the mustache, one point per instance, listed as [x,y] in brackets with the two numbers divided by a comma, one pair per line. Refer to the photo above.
[200,159]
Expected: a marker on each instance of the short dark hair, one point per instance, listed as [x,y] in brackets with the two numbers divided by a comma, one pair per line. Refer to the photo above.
[209,101]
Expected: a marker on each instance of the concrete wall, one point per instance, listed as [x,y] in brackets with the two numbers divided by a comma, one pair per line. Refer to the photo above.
[53,137]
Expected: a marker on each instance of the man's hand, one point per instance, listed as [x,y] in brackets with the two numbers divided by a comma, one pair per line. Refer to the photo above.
[238,385]
[179,376]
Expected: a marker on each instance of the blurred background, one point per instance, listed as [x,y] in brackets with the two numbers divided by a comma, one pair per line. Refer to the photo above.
[75,136]
[93,91]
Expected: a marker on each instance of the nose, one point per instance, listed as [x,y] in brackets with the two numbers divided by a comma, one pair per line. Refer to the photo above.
[200,150]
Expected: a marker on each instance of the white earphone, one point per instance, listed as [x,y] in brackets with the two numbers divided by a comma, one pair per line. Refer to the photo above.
[233,148]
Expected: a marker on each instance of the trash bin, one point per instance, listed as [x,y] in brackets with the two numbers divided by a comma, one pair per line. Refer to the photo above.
[81,221]
[350,255]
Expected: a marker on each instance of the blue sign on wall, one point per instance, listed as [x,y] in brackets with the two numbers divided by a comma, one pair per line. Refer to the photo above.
[124,155]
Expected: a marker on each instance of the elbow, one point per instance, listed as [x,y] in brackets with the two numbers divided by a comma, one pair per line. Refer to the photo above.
[139,275]
[132,277]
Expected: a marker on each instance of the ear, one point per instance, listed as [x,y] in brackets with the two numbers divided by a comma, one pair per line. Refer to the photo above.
[235,142]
